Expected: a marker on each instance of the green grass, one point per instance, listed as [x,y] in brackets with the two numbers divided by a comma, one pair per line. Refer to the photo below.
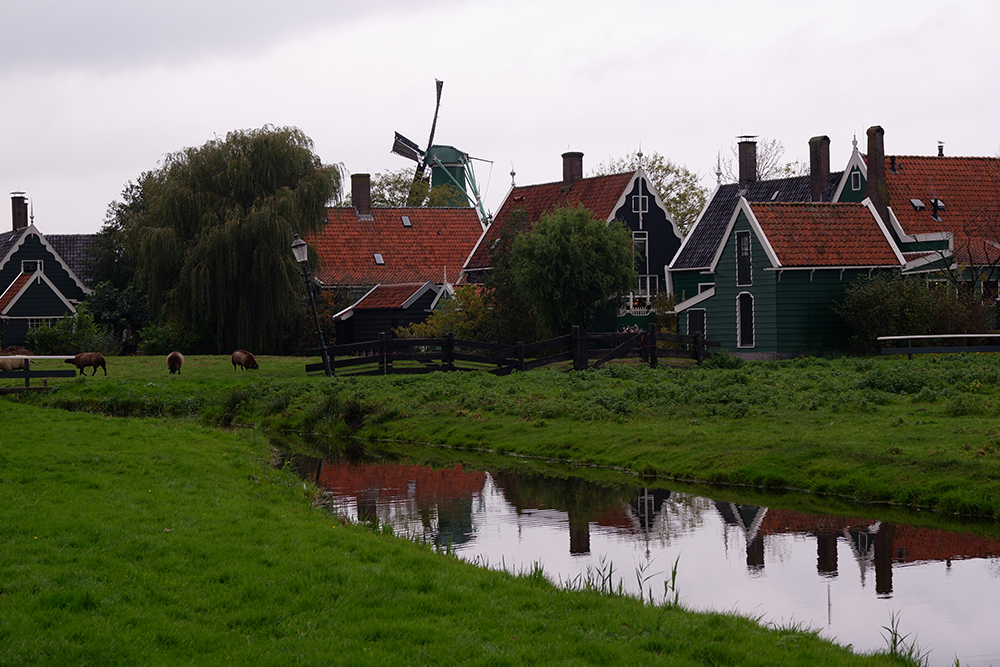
[922,433]
[160,541]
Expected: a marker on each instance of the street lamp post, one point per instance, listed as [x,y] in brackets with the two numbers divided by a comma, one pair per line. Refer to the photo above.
[301,252]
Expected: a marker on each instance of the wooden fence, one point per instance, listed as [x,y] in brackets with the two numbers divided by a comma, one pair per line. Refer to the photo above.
[389,355]
[27,374]
[953,348]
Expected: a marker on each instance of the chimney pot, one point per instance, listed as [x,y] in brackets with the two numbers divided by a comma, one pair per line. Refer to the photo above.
[19,210]
[819,166]
[748,161]
[572,167]
[940,149]
[361,194]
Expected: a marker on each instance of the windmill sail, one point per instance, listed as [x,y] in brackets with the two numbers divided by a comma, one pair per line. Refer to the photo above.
[406,148]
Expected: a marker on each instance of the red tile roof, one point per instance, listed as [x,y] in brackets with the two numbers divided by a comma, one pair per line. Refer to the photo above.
[824,235]
[388,296]
[438,240]
[599,194]
[969,187]
[15,288]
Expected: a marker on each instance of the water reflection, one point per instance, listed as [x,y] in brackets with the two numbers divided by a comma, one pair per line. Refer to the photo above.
[781,565]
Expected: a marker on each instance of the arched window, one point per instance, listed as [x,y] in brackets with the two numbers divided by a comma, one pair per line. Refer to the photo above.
[744,320]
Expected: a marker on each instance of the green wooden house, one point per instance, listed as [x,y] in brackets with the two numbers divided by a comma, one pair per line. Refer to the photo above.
[41,279]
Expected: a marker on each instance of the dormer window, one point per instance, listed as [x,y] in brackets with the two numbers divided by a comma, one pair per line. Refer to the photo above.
[379,259]
[31,265]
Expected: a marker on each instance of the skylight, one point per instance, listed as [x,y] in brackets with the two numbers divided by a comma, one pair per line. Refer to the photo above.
[379,259]
[917,205]
[938,203]
[406,221]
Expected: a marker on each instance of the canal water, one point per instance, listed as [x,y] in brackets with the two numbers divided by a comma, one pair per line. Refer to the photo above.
[847,577]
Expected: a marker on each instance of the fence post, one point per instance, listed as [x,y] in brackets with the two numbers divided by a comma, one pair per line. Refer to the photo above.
[520,356]
[652,345]
[449,351]
[699,347]
[909,344]
[27,373]
[579,358]
[384,349]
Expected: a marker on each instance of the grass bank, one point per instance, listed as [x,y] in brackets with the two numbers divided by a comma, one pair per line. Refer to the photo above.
[922,433]
[152,541]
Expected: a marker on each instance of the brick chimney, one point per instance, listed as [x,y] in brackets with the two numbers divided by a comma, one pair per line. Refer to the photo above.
[876,188]
[19,210]
[361,194]
[572,167]
[748,161]
[819,166]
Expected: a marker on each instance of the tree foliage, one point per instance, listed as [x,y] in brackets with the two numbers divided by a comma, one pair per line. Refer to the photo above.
[392,189]
[569,264]
[678,187]
[465,314]
[896,306]
[212,235]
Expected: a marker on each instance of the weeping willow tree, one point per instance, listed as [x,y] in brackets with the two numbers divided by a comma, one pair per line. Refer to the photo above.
[213,238]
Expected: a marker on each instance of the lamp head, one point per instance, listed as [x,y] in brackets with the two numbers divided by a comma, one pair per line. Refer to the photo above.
[300,250]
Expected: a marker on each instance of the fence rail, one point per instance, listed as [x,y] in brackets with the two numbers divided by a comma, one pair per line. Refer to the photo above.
[389,355]
[27,374]
[911,349]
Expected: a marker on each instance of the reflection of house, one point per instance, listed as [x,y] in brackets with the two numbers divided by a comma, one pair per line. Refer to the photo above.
[361,246]
[747,518]
[41,278]
[443,498]
[626,197]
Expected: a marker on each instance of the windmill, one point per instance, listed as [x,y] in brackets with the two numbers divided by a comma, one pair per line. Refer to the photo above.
[447,163]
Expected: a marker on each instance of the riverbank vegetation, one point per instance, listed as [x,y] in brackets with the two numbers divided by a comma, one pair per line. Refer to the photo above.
[142,541]
[923,433]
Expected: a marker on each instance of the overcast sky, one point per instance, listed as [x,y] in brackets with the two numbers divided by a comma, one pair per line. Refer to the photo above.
[95,93]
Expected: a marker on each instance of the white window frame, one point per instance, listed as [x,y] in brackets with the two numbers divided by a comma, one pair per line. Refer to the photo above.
[739,321]
[855,180]
[704,311]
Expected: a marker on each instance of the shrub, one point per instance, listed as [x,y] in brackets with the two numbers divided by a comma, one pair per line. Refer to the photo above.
[723,360]
[72,335]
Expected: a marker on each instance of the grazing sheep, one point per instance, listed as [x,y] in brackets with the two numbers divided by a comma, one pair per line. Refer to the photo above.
[174,362]
[11,364]
[85,359]
[244,359]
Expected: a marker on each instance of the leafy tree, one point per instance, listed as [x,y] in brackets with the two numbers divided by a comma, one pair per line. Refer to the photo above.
[770,164]
[570,264]
[123,310]
[212,236]
[392,189]
[465,314]
[896,306]
[678,187]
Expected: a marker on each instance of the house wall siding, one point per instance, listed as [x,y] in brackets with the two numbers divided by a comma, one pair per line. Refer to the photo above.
[805,318]
[663,241]
[722,308]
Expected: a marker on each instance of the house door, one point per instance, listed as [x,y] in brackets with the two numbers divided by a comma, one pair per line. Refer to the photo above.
[744,320]
[696,321]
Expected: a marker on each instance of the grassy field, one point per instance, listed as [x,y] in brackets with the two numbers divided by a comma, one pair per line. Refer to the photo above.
[152,541]
[921,434]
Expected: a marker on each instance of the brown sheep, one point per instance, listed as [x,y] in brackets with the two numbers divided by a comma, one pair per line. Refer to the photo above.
[85,359]
[174,362]
[11,364]
[244,359]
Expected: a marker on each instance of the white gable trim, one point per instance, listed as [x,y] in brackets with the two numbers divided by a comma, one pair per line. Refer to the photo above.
[25,233]
[744,205]
[885,232]
[637,175]
[37,277]
[423,289]
[695,300]
[855,161]
[348,312]
[697,221]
